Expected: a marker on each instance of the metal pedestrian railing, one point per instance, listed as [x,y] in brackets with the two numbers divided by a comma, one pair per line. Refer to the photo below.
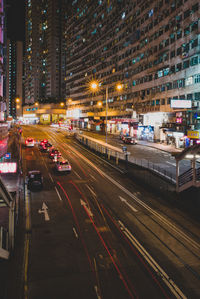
[154,168]
[198,174]
[4,243]
[185,177]
[117,153]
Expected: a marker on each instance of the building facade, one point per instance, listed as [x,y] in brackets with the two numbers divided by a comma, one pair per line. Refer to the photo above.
[2,60]
[44,51]
[152,48]
[14,78]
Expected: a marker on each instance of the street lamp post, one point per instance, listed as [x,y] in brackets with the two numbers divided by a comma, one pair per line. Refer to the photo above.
[94,86]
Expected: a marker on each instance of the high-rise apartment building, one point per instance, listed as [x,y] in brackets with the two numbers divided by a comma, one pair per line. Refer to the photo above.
[44,51]
[152,47]
[2,59]
[14,78]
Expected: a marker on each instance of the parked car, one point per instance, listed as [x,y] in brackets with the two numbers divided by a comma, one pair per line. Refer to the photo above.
[122,136]
[130,140]
[34,180]
[63,166]
[54,152]
[29,142]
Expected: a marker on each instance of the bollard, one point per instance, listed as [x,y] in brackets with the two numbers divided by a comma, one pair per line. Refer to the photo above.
[117,159]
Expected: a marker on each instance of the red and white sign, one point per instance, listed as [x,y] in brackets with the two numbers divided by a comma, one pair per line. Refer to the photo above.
[8,167]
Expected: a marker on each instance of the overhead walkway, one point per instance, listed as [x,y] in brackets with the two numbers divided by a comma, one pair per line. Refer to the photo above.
[191,177]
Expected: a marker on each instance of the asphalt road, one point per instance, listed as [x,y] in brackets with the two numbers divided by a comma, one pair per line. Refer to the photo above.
[101,236]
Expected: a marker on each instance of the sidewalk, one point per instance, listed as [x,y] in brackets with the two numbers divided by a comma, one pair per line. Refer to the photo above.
[159,146]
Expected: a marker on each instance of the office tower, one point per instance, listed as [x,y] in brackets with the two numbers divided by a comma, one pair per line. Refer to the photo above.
[152,47]
[44,51]
[14,78]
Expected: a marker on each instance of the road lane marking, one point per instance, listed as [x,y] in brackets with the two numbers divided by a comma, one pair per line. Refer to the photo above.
[44,211]
[74,230]
[144,205]
[83,203]
[128,204]
[58,194]
[160,272]
[97,292]
[93,193]
[77,175]
[93,177]
[51,177]
[97,287]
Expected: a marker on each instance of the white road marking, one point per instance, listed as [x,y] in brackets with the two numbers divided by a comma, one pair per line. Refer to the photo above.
[167,280]
[97,292]
[93,193]
[128,204]
[58,194]
[44,211]
[74,230]
[77,174]
[87,209]
[93,177]
[148,208]
[51,177]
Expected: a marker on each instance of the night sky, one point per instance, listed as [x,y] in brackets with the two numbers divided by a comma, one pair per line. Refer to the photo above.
[15,19]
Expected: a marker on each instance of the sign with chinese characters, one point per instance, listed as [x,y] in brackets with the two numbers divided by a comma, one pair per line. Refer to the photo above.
[193,134]
[8,167]
[7,156]
[179,120]
[181,104]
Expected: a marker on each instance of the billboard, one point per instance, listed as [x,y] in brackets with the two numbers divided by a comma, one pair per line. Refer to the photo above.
[8,167]
[181,104]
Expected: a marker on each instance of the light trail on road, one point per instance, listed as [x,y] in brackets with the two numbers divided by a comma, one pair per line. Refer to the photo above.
[161,227]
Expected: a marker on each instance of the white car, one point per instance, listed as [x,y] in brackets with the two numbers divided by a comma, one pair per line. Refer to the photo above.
[63,166]
[30,142]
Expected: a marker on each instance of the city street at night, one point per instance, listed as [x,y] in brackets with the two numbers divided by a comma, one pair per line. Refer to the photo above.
[94,233]
[99,149]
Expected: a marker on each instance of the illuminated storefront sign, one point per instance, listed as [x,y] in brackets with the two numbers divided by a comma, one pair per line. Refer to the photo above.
[193,134]
[179,120]
[181,104]
[8,167]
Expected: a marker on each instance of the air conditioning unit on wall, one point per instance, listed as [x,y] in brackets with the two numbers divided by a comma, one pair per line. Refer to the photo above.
[195,104]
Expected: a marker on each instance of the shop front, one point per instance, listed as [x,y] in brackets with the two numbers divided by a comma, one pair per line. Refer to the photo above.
[176,139]
[125,126]
[145,133]
[193,136]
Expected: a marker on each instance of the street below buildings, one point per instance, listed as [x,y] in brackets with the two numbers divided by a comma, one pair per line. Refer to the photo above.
[93,233]
[160,155]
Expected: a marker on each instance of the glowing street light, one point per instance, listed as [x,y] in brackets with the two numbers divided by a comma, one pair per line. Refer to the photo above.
[17,100]
[69,101]
[62,104]
[119,87]
[99,103]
